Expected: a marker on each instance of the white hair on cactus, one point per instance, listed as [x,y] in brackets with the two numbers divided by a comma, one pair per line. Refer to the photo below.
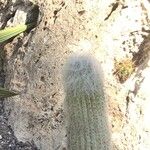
[82,70]
[87,126]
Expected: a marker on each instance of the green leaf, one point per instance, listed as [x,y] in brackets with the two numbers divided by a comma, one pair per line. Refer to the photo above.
[10,32]
[6,93]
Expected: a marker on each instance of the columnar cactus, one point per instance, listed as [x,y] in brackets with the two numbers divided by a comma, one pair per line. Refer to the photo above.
[87,127]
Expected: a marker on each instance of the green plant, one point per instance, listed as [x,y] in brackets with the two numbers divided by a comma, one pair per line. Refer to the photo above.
[87,127]
[123,69]
[10,32]
[6,34]
[6,93]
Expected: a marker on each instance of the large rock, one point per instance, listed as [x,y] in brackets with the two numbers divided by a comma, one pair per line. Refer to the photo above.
[33,63]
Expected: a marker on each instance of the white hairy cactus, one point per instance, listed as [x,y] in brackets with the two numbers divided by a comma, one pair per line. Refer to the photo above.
[87,127]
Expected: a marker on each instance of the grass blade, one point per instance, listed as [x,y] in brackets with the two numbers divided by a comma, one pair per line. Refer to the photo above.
[6,93]
[10,32]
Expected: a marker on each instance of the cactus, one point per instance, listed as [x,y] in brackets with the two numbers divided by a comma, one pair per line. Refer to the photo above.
[87,127]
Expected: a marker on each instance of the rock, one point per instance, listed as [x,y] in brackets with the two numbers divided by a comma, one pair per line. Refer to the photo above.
[109,30]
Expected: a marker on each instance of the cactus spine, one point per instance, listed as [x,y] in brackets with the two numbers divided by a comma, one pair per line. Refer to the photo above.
[87,127]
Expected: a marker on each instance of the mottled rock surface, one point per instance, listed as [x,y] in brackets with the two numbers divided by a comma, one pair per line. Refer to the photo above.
[31,64]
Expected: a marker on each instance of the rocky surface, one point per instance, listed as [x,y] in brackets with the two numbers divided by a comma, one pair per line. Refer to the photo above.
[112,31]
[8,141]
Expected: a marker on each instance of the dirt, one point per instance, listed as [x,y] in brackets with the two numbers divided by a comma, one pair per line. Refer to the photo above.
[31,64]
[8,141]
